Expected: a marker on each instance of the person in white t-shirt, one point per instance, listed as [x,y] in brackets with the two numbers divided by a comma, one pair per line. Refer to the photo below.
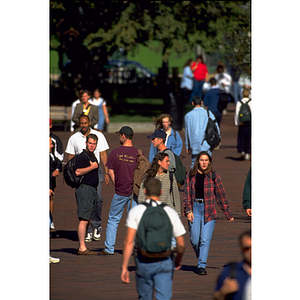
[154,272]
[76,144]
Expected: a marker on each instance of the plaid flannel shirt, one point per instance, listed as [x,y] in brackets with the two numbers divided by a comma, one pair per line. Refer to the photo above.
[210,198]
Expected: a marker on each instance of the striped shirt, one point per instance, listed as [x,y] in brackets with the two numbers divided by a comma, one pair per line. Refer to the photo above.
[210,198]
[172,199]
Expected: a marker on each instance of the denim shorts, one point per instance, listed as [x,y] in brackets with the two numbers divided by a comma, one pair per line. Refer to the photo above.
[86,198]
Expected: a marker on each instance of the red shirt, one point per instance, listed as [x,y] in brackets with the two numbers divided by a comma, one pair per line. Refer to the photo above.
[200,72]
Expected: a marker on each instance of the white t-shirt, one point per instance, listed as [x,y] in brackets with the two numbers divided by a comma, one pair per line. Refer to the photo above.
[76,144]
[136,213]
[98,102]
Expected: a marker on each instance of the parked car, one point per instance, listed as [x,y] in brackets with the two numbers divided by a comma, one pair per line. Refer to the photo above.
[139,80]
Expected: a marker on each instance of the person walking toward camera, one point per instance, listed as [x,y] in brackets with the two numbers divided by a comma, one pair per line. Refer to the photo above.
[203,189]
[86,165]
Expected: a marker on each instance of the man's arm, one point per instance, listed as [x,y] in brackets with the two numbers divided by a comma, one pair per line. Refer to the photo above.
[103,158]
[128,246]
[83,171]
[112,175]
[180,251]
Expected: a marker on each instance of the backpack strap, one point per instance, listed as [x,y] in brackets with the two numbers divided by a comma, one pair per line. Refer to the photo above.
[140,152]
[233,270]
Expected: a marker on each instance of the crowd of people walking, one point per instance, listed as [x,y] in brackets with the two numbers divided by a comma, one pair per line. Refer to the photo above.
[203,188]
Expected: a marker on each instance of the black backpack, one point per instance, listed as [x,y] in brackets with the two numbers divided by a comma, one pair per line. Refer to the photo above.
[155,231]
[223,101]
[211,133]
[245,113]
[70,177]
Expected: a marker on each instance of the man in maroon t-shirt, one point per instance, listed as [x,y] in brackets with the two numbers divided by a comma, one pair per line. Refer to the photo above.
[121,164]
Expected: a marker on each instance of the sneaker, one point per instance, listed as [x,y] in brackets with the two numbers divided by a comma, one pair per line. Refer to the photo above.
[97,233]
[202,271]
[52,225]
[53,260]
[247,156]
[88,237]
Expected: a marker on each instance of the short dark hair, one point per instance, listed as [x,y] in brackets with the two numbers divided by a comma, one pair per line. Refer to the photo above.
[153,187]
[197,100]
[92,136]
[213,81]
[84,116]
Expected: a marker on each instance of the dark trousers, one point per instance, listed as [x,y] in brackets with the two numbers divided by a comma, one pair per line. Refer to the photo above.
[244,139]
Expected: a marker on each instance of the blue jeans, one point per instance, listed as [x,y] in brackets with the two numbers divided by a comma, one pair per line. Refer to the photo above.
[154,275]
[200,234]
[197,89]
[115,214]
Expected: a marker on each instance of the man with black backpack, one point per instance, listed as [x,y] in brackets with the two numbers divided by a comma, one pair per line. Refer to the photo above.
[152,225]
[86,194]
[242,119]
[76,144]
[202,132]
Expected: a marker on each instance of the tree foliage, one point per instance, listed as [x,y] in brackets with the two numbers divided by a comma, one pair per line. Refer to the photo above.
[90,31]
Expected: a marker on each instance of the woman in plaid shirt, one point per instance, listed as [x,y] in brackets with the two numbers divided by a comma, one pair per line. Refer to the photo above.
[202,190]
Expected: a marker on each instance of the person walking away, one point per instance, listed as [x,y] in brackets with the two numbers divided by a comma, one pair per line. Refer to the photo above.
[211,100]
[121,164]
[76,144]
[203,189]
[244,127]
[152,273]
[195,126]
[102,110]
[200,76]
[86,194]
[173,139]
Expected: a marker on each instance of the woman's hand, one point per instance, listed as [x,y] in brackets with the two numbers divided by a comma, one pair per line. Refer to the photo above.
[190,216]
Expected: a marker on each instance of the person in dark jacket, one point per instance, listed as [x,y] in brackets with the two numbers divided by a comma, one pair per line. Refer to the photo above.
[211,99]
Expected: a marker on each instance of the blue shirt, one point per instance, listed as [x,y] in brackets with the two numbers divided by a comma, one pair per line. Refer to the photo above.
[241,277]
[211,99]
[187,78]
[174,143]
[195,125]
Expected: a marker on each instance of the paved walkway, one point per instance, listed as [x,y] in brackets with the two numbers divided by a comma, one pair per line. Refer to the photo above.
[98,277]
